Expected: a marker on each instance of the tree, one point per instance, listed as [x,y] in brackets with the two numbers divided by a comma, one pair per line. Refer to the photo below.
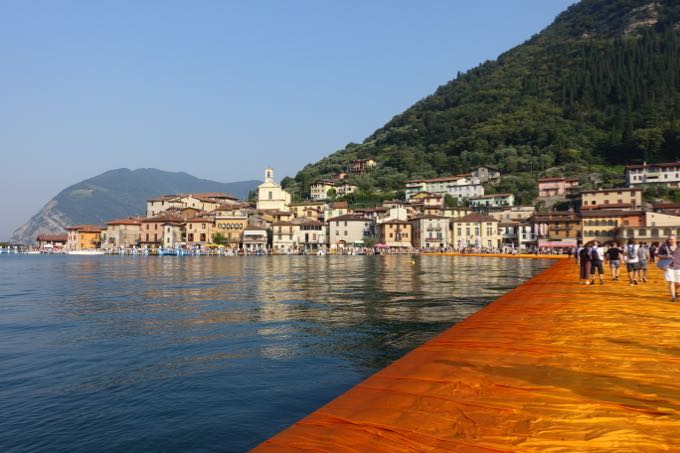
[219,239]
[450,202]
[332,193]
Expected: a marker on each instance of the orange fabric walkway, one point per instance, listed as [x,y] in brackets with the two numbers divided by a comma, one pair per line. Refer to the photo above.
[551,366]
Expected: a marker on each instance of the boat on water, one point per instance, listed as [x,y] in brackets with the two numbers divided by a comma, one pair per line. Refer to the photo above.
[85,252]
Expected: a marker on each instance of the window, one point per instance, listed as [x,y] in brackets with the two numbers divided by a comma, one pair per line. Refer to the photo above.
[271,195]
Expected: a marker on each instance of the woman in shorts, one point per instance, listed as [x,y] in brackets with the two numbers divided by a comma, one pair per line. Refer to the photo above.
[671,251]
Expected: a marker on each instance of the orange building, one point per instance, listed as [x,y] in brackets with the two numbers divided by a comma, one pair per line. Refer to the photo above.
[83,237]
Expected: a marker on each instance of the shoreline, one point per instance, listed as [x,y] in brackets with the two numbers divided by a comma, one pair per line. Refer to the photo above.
[550,366]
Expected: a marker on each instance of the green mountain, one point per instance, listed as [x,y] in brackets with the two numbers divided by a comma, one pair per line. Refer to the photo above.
[116,194]
[599,86]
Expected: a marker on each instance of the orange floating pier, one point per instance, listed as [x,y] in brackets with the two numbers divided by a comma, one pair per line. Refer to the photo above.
[551,366]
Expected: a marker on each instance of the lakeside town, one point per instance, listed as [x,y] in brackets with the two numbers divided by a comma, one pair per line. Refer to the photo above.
[425,220]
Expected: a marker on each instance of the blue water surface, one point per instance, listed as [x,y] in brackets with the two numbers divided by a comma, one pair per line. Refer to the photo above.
[121,354]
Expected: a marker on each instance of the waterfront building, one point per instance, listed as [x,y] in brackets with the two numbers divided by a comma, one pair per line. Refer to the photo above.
[154,231]
[557,229]
[516,234]
[348,230]
[430,231]
[492,201]
[199,231]
[270,195]
[283,237]
[255,238]
[231,225]
[556,187]
[667,174]
[602,224]
[619,198]
[359,166]
[394,233]
[51,242]
[310,235]
[121,233]
[475,230]
[83,237]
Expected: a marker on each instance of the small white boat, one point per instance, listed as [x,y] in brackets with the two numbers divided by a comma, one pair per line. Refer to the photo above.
[85,252]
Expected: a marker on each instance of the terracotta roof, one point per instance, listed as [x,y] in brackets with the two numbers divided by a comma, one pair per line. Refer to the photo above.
[557,178]
[128,221]
[200,220]
[86,228]
[610,213]
[394,222]
[162,198]
[607,206]
[163,219]
[429,217]
[662,164]
[492,195]
[349,218]
[339,205]
[216,195]
[475,217]
[666,205]
[615,189]
[52,238]
[440,179]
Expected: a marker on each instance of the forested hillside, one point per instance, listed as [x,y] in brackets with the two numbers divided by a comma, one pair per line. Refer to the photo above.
[601,85]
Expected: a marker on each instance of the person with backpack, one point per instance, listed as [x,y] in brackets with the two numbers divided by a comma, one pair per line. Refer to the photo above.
[596,263]
[669,260]
[643,256]
[584,259]
[632,261]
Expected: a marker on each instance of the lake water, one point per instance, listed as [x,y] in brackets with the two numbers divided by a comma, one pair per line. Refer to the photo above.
[211,353]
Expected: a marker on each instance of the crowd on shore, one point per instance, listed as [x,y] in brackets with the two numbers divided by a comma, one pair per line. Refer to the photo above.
[635,257]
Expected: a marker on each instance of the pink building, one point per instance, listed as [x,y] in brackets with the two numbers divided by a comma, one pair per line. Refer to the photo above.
[556,187]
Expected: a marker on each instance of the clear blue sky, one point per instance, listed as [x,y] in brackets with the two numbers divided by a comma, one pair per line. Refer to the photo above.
[221,89]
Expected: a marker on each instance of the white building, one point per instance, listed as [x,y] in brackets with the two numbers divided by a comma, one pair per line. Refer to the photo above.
[667,174]
[496,200]
[465,188]
[270,196]
[348,231]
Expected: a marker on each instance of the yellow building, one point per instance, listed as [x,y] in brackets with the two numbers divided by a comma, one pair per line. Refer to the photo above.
[475,230]
[622,198]
[83,237]
[199,231]
[395,233]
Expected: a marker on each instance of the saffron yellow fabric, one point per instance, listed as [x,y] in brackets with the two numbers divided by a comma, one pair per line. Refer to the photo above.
[551,366]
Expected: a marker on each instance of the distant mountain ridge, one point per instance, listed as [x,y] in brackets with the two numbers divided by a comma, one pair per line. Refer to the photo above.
[115,194]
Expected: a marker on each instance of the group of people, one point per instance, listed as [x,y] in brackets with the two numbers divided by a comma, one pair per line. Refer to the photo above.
[635,256]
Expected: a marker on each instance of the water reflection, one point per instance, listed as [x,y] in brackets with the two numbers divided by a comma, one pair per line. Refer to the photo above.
[211,352]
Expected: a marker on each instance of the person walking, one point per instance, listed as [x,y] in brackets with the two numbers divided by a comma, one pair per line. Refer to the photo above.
[643,256]
[584,259]
[613,256]
[669,259]
[632,261]
[596,263]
